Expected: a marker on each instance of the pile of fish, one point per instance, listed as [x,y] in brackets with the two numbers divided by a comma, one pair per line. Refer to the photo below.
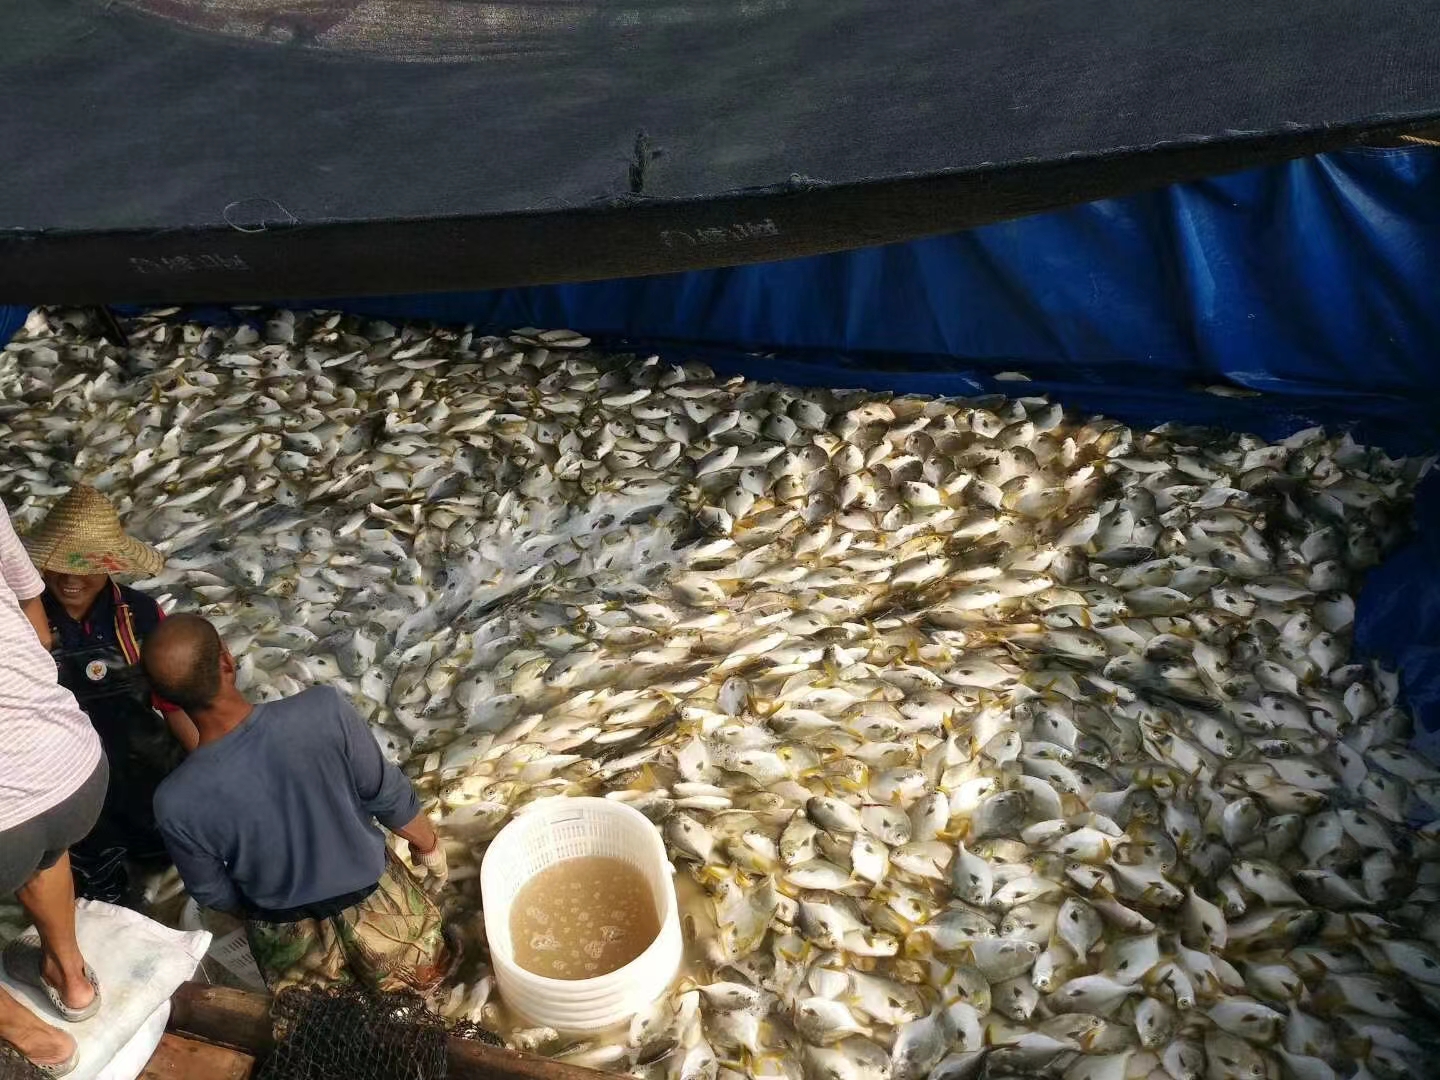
[990,741]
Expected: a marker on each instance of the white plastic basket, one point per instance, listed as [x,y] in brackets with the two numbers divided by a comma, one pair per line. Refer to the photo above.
[551,831]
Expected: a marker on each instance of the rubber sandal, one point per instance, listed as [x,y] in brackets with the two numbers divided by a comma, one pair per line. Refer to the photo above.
[63,1068]
[58,1069]
[23,959]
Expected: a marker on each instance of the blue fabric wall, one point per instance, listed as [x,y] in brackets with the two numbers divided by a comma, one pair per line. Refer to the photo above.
[1311,282]
[11,319]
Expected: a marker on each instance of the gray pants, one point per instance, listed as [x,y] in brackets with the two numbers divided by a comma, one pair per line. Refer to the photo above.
[37,844]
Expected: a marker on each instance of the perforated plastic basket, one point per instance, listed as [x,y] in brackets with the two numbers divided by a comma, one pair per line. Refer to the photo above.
[551,831]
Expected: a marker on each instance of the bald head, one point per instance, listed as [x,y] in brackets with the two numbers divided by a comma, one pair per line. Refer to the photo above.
[182,658]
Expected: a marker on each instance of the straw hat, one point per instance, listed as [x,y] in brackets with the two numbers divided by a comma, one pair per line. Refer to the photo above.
[82,535]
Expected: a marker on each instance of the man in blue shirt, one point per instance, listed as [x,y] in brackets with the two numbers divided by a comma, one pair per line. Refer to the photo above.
[273,817]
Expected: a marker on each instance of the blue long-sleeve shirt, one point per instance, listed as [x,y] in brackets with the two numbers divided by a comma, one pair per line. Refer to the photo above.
[281,812]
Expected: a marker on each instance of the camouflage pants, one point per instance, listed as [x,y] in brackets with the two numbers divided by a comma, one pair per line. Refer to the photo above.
[392,940]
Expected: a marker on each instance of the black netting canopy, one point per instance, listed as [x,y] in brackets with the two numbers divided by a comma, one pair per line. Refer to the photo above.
[180,149]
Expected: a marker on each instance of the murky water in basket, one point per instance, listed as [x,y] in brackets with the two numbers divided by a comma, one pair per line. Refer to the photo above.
[583,918]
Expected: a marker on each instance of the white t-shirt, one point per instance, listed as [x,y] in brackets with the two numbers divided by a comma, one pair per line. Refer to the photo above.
[47,746]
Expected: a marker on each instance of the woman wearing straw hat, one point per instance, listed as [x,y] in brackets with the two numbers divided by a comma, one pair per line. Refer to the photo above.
[98,626]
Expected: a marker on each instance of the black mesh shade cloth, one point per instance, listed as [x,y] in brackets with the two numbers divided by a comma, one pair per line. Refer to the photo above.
[205,149]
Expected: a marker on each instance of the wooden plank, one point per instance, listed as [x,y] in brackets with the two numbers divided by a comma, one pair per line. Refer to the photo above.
[223,1016]
[179,1058]
[470,1060]
[241,1019]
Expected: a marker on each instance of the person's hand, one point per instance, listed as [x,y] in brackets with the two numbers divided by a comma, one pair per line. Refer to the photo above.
[435,871]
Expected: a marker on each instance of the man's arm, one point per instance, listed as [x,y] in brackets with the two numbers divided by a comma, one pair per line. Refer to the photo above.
[387,793]
[425,850]
[420,835]
[183,728]
[205,876]
[34,610]
[384,791]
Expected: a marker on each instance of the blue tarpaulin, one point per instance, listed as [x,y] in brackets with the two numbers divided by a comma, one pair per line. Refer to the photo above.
[1398,617]
[11,319]
[1311,283]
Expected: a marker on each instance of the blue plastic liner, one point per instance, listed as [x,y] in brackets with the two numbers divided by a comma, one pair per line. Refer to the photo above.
[11,320]
[1398,616]
[1311,283]
[1313,279]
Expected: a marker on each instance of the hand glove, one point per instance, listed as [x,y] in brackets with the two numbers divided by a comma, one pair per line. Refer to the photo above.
[436,869]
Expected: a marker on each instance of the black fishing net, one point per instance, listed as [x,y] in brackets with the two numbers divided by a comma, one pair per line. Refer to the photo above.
[468,1029]
[16,1066]
[352,1035]
[355,1035]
